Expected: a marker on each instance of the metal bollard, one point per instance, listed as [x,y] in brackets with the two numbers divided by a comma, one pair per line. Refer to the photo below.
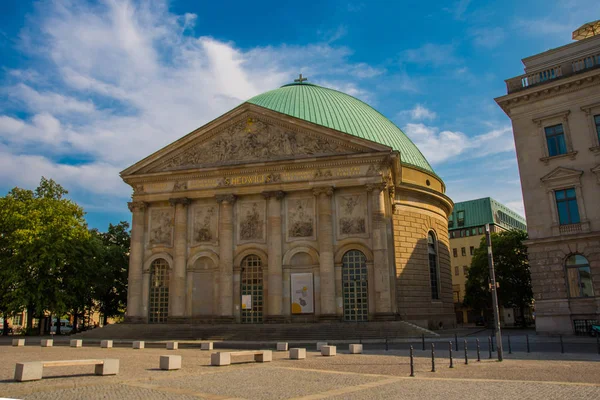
[423,340]
[432,357]
[450,350]
[412,362]
[386,344]
[527,339]
[478,350]
[490,346]
[509,347]
[492,341]
[456,341]
[466,354]
[562,346]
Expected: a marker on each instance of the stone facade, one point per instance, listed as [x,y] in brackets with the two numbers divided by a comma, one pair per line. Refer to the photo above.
[567,95]
[225,223]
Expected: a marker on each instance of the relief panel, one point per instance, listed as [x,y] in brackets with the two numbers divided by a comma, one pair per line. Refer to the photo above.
[160,229]
[300,223]
[352,214]
[251,225]
[205,220]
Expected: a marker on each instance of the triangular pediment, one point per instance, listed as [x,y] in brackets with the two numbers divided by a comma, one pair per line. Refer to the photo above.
[250,134]
[562,173]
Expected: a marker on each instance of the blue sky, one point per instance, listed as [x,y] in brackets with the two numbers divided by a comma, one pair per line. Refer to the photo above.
[88,88]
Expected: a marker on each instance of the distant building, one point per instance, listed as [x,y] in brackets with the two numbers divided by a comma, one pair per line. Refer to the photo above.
[466,227]
[555,113]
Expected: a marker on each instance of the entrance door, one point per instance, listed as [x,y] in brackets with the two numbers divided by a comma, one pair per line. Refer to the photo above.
[355,286]
[252,290]
[159,292]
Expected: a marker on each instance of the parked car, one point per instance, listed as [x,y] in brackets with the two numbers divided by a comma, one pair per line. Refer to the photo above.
[480,321]
[65,327]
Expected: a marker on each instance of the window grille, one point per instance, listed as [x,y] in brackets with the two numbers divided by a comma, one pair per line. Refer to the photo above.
[159,291]
[355,286]
[252,284]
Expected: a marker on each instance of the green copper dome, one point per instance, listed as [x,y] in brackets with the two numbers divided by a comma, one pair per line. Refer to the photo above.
[344,113]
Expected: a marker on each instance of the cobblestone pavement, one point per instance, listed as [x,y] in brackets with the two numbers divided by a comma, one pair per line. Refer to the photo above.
[375,375]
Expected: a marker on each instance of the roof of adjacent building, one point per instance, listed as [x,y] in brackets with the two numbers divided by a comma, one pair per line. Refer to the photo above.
[483,211]
[336,110]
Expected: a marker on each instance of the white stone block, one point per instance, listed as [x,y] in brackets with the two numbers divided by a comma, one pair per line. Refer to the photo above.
[28,371]
[328,351]
[297,354]
[47,342]
[172,345]
[18,342]
[76,343]
[265,356]
[321,344]
[169,363]
[356,348]
[109,367]
[106,344]
[139,344]
[220,359]
[206,346]
[282,346]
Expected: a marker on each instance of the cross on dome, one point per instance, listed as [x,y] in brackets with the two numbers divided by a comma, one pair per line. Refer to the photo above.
[300,79]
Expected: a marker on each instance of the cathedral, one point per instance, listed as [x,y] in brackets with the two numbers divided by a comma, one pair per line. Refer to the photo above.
[303,204]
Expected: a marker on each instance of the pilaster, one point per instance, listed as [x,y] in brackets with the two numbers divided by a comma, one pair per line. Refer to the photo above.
[226,255]
[135,310]
[274,248]
[327,271]
[178,287]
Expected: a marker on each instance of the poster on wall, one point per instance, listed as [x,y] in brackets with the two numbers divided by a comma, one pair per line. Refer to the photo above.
[246,302]
[302,293]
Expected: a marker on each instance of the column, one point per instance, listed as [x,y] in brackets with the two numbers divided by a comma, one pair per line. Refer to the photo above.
[381,273]
[226,202]
[178,287]
[327,272]
[286,297]
[275,277]
[135,310]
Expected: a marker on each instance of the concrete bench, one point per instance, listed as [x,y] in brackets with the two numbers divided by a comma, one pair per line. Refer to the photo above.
[76,343]
[18,342]
[282,346]
[225,357]
[328,351]
[32,371]
[172,345]
[206,346]
[321,344]
[356,348]
[297,354]
[106,344]
[47,342]
[139,344]
[169,363]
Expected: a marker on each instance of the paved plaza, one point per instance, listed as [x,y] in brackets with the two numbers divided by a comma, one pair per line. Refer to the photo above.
[374,375]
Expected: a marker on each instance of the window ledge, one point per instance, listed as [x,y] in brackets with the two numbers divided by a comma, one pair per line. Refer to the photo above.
[570,154]
[571,229]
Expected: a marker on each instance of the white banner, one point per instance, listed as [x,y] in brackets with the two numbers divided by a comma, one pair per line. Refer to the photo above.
[302,293]
[246,302]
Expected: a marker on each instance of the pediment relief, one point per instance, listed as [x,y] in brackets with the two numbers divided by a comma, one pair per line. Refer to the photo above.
[562,174]
[250,139]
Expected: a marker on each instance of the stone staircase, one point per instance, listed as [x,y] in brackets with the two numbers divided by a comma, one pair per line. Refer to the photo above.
[259,332]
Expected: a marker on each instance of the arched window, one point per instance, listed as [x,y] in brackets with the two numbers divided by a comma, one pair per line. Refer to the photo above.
[433,266]
[252,290]
[355,286]
[159,291]
[579,277]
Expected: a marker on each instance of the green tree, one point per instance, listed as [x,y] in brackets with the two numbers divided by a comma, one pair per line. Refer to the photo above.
[511,269]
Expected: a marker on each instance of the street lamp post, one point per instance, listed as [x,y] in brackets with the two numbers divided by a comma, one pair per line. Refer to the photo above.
[488,239]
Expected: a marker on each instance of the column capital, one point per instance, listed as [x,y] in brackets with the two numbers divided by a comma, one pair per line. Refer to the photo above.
[326,190]
[277,194]
[179,200]
[137,206]
[376,186]
[226,198]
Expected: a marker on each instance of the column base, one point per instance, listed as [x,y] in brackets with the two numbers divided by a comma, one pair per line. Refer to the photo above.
[275,319]
[225,319]
[329,318]
[385,316]
[136,320]
[178,320]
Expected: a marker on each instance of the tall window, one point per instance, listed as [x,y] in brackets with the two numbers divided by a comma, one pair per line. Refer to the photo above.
[555,138]
[597,122]
[433,266]
[566,204]
[579,276]
[460,217]
[355,286]
[471,250]
[252,290]
[463,251]
[450,221]
[455,270]
[159,291]
[455,252]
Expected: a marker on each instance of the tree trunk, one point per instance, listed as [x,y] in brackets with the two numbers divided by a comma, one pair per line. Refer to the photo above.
[29,327]
[75,321]
[5,327]
[57,325]
[41,324]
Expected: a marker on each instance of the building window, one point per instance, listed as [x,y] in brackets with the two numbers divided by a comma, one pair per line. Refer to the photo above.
[473,232]
[433,266]
[455,252]
[566,204]
[579,277]
[455,270]
[481,230]
[460,217]
[468,232]
[462,233]
[159,291]
[463,251]
[465,270]
[471,250]
[450,221]
[18,319]
[597,122]
[555,139]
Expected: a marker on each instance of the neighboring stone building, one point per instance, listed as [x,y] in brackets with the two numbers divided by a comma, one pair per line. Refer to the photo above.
[555,113]
[302,204]
[466,226]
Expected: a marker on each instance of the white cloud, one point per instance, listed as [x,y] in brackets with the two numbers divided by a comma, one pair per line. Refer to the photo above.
[488,37]
[441,146]
[419,113]
[431,54]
